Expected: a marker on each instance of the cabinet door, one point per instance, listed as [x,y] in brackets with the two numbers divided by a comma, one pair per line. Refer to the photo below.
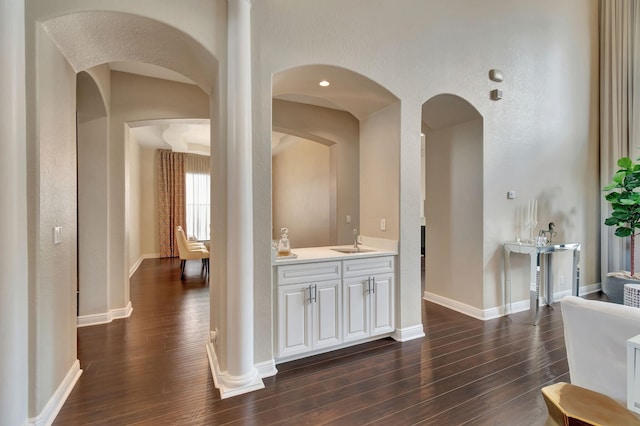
[294,319]
[356,308]
[327,314]
[382,304]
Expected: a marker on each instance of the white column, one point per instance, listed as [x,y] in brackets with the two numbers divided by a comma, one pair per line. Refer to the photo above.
[241,375]
[14,306]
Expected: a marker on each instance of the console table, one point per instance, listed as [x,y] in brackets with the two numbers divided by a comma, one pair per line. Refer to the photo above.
[537,254]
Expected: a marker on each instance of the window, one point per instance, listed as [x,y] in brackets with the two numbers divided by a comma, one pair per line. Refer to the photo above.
[198,208]
[197,196]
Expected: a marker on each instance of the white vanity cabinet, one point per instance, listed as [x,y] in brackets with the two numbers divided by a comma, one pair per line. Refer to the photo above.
[368,288]
[309,307]
[328,304]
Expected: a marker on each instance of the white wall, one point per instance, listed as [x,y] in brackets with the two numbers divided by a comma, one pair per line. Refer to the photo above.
[52,201]
[453,255]
[301,193]
[149,238]
[14,318]
[420,50]
[93,231]
[135,218]
[380,173]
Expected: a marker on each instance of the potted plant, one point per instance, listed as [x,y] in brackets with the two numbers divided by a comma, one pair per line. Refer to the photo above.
[624,198]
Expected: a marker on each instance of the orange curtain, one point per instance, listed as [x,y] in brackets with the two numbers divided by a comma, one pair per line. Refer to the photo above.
[171,199]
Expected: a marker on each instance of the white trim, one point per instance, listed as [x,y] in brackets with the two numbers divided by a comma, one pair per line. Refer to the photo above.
[222,378]
[267,368]
[136,265]
[408,333]
[460,307]
[57,400]
[106,317]
[492,313]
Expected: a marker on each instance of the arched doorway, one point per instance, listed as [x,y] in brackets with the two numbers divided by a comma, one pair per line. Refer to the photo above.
[66,45]
[453,213]
[359,119]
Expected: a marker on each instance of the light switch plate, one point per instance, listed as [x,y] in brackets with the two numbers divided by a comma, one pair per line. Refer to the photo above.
[57,235]
[383,224]
[511,195]
[348,218]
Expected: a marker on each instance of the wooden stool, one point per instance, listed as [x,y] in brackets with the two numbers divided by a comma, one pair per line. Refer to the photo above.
[572,405]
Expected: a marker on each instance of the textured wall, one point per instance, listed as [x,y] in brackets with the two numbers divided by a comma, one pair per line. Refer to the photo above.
[53,197]
[546,121]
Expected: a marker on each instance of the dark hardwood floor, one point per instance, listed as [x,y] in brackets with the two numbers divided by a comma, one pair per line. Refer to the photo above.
[152,369]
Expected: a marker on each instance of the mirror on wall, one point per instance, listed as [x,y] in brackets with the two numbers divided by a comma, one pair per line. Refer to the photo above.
[301,190]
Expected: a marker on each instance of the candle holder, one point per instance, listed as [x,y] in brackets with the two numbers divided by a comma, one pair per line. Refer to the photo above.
[532,225]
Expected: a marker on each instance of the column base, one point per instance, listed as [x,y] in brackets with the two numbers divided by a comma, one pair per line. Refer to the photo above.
[231,386]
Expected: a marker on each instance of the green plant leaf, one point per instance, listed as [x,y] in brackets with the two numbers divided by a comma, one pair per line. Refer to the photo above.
[621,216]
[612,196]
[625,162]
[619,176]
[624,232]
[611,221]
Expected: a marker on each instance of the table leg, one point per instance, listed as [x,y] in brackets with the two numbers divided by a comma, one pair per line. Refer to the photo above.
[534,288]
[507,280]
[576,272]
[548,285]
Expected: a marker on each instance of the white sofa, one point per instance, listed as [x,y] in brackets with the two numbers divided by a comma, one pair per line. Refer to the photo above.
[596,335]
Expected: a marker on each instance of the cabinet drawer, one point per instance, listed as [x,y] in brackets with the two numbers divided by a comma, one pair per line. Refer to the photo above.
[368,266]
[308,272]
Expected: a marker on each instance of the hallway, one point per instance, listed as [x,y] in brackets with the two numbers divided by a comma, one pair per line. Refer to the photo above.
[152,369]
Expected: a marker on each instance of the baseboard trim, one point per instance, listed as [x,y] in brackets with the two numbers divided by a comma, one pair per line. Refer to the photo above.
[492,313]
[408,333]
[221,379]
[136,265]
[463,308]
[57,400]
[267,368]
[106,317]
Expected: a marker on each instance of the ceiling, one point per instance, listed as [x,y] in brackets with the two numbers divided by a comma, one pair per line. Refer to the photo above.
[180,135]
[348,91]
[446,110]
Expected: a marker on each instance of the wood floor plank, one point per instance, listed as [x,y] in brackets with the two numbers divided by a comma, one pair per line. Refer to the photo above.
[152,369]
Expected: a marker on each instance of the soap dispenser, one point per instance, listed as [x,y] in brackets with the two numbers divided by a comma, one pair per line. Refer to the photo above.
[284,249]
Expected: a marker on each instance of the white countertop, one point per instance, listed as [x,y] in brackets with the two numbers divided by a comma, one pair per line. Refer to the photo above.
[321,254]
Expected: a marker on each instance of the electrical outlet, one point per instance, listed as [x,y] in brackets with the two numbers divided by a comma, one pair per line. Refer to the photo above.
[57,235]
[383,224]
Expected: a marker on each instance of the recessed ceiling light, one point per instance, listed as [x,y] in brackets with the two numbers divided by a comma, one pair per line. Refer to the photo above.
[324,83]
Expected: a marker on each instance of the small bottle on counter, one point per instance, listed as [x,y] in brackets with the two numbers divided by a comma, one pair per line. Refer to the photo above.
[284,249]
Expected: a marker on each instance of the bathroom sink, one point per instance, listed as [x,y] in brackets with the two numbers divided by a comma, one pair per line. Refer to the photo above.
[352,250]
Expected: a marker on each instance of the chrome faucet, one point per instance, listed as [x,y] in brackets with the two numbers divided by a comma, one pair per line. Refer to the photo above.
[355,241]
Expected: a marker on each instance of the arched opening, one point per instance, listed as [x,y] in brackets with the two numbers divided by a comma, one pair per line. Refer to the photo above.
[453,204]
[65,46]
[359,120]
